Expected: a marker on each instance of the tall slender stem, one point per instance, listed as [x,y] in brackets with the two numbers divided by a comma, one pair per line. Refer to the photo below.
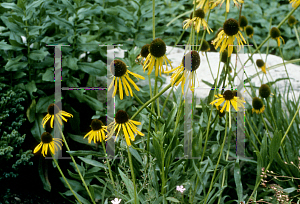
[132,174]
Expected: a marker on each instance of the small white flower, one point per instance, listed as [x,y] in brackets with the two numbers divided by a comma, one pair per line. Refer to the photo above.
[180,188]
[116,201]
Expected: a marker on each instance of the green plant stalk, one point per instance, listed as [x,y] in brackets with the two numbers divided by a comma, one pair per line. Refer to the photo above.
[132,174]
[207,129]
[296,33]
[210,187]
[262,118]
[163,172]
[165,103]
[62,174]
[223,177]
[153,98]
[140,102]
[153,18]
[287,74]
[271,112]
[109,167]
[67,146]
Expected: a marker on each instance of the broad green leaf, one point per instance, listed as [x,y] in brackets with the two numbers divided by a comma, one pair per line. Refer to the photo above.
[37,130]
[38,54]
[93,103]
[43,103]
[61,21]
[30,88]
[48,75]
[96,68]
[93,162]
[30,113]
[69,6]
[12,6]
[70,62]
[136,155]
[5,46]
[15,65]
[13,26]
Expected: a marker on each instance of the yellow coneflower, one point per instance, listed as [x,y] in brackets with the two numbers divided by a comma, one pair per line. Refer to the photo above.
[260,64]
[97,133]
[227,36]
[258,106]
[58,113]
[275,34]
[229,97]
[221,114]
[295,3]
[198,20]
[47,141]
[157,57]
[190,72]
[217,2]
[143,54]
[119,69]
[127,125]
[200,4]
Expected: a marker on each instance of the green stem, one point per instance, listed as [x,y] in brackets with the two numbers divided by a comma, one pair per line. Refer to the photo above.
[210,187]
[153,18]
[62,174]
[109,167]
[67,146]
[154,97]
[132,174]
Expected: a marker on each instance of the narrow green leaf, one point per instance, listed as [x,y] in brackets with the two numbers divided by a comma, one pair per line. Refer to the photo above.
[93,162]
[172,199]
[275,144]
[96,68]
[85,153]
[128,183]
[237,179]
[136,155]
[44,178]
[61,21]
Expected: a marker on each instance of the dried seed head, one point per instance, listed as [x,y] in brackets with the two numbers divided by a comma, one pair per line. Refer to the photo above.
[198,13]
[121,117]
[225,56]
[260,63]
[243,21]
[292,21]
[96,124]
[249,30]
[52,109]
[264,91]
[195,60]
[46,137]
[158,48]
[228,95]
[118,68]
[231,27]
[145,50]
[205,46]
[257,103]
[274,32]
